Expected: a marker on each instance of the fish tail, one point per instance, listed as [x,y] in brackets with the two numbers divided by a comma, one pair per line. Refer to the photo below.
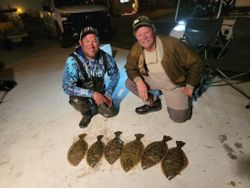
[139,136]
[81,136]
[166,138]
[99,137]
[117,133]
[180,144]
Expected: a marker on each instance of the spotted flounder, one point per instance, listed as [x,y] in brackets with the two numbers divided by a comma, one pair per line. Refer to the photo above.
[175,161]
[77,150]
[132,153]
[95,152]
[154,152]
[114,148]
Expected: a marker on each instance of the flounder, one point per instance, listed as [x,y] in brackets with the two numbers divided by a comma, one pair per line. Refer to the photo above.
[132,153]
[114,148]
[95,152]
[77,150]
[154,152]
[175,161]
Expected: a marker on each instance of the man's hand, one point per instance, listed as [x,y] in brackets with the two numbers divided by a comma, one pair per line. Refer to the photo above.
[142,90]
[188,91]
[108,101]
[98,98]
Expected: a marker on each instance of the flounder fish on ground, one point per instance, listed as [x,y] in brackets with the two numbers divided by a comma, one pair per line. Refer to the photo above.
[114,148]
[175,161]
[154,152]
[132,153]
[95,152]
[77,150]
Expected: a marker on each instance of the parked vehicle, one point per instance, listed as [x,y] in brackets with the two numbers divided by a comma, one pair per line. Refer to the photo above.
[12,30]
[64,19]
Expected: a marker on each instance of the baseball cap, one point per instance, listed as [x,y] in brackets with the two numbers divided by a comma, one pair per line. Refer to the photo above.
[142,21]
[87,30]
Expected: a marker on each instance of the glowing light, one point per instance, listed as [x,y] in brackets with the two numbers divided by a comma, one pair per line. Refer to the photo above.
[124,1]
[20,10]
[134,8]
[180,27]
[181,22]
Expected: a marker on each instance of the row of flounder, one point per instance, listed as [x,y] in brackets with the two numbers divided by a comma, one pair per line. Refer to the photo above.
[173,160]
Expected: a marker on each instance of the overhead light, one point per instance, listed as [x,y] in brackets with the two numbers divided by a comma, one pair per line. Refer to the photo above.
[20,10]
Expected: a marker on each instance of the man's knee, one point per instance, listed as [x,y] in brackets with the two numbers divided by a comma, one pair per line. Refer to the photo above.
[127,82]
[130,84]
[80,104]
[179,116]
[131,87]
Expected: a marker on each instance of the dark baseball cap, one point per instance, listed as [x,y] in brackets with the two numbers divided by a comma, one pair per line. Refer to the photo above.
[88,30]
[142,21]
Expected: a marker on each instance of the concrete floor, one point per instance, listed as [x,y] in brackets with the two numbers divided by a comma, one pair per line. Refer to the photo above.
[37,127]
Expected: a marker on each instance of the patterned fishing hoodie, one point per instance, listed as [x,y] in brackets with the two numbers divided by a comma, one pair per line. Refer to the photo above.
[94,68]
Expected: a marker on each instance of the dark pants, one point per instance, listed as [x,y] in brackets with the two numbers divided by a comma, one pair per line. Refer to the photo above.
[87,105]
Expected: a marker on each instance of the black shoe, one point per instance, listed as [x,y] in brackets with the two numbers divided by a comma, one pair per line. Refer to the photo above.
[86,118]
[156,106]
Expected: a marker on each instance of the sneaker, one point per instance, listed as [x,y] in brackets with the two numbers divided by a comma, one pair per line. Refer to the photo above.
[156,106]
[86,118]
